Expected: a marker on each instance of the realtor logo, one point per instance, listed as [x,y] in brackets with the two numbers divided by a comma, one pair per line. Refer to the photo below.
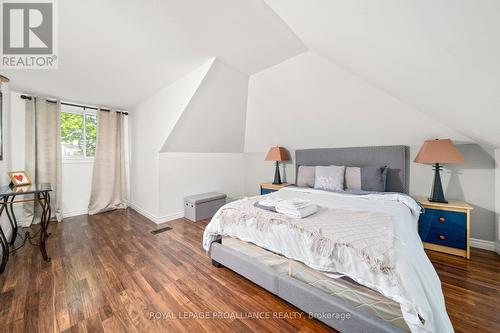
[28,34]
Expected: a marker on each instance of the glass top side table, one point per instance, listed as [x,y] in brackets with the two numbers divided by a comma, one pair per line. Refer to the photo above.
[41,196]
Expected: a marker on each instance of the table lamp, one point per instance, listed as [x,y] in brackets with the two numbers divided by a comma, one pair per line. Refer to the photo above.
[439,151]
[277,154]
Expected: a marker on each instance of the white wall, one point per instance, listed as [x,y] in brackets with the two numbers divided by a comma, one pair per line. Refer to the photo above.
[308,102]
[188,139]
[18,136]
[497,199]
[214,119]
[150,124]
[183,174]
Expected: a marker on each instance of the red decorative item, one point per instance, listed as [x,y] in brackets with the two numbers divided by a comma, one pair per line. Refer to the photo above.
[19,178]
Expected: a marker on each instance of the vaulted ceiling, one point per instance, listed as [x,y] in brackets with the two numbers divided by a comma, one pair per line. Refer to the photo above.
[442,57]
[118,52]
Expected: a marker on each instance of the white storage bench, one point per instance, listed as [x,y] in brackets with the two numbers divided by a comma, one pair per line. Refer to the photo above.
[202,206]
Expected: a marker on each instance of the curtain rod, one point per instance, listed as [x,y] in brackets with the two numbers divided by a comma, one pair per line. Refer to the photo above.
[76,105]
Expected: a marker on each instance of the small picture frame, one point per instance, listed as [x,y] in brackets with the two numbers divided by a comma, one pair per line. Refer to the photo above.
[21,189]
[19,178]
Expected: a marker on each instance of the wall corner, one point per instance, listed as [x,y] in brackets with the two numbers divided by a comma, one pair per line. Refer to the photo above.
[497,200]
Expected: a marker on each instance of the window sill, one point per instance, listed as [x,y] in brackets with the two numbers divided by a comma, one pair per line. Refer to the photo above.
[77,160]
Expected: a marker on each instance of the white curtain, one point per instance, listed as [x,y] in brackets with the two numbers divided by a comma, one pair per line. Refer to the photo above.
[109,180]
[43,153]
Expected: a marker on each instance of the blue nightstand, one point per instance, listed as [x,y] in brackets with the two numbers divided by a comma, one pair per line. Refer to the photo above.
[266,188]
[445,227]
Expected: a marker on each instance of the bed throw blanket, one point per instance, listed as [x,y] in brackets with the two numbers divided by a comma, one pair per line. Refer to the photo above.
[369,234]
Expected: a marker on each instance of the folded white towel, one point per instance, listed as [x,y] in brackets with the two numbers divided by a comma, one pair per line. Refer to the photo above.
[295,203]
[297,213]
[269,202]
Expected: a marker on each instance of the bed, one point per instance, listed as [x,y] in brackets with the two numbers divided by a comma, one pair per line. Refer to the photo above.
[380,289]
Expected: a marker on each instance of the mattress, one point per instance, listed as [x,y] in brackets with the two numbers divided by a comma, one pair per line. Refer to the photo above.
[359,297]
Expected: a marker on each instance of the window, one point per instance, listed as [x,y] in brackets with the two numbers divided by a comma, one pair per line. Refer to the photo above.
[78,133]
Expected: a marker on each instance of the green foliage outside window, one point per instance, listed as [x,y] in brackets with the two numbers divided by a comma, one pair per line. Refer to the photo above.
[78,140]
[90,133]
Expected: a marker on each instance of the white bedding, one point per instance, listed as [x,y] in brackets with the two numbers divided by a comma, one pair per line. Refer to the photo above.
[413,282]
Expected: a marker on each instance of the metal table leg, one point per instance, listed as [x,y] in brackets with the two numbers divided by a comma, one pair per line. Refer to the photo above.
[44,200]
[5,246]
[12,217]
[49,212]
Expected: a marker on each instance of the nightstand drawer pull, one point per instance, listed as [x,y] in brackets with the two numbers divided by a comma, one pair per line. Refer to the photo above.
[441,237]
[442,219]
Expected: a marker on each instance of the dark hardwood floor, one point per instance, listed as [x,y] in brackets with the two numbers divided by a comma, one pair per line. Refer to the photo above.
[110,274]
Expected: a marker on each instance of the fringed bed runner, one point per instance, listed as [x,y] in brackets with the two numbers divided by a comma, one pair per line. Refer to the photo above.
[329,231]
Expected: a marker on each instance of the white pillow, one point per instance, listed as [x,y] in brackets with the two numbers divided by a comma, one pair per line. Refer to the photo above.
[353,178]
[329,178]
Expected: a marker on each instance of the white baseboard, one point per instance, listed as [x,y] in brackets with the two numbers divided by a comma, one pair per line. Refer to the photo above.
[482,244]
[497,248]
[231,199]
[154,218]
[75,213]
[170,217]
[143,212]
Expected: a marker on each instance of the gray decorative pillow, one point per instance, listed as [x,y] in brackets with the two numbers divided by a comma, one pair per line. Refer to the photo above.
[330,178]
[305,176]
[370,178]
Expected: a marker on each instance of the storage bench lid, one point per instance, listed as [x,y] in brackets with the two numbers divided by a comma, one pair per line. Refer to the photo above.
[204,197]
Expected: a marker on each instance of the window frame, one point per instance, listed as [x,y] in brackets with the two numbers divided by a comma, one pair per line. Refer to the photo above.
[80,111]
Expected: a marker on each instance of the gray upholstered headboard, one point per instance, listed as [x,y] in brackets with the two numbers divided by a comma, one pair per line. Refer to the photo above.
[395,157]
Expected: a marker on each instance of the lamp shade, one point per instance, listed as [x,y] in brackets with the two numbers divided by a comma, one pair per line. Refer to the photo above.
[439,151]
[277,154]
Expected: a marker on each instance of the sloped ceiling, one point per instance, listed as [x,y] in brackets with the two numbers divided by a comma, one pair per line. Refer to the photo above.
[440,56]
[117,53]
[214,119]
[318,104]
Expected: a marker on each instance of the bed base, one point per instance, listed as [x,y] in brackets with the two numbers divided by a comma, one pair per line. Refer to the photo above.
[303,296]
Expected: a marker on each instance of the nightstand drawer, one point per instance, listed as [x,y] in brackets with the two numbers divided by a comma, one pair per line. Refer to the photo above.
[446,228]
[266,191]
